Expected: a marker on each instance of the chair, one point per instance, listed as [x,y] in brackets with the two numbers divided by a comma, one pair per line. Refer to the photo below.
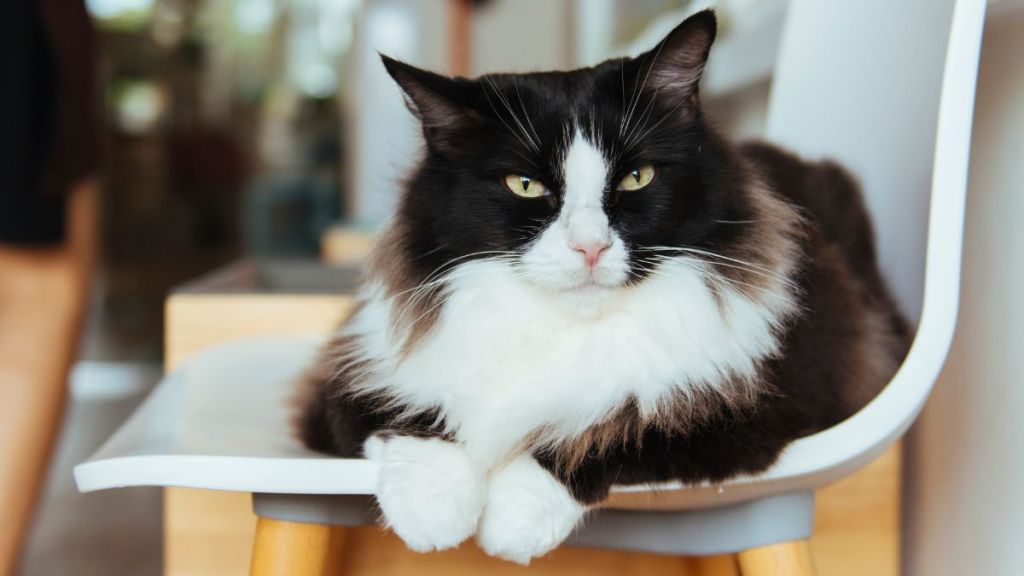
[847,79]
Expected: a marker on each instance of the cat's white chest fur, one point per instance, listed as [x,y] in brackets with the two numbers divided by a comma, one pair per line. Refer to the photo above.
[507,360]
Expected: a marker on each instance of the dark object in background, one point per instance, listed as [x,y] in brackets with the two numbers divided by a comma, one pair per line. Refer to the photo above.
[48,133]
[287,215]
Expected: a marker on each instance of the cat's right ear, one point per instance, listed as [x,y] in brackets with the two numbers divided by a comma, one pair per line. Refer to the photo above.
[675,66]
[439,102]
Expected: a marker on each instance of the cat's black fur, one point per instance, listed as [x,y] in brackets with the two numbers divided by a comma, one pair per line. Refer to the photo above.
[835,354]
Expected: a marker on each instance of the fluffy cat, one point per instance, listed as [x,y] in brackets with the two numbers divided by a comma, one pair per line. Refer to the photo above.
[586,285]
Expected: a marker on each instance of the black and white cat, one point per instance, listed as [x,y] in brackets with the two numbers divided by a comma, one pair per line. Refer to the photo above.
[586,285]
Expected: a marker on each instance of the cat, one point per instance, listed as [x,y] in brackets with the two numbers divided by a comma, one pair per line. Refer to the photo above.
[586,285]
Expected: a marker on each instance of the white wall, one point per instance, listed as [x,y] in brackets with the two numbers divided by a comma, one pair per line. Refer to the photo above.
[382,139]
[964,495]
[522,36]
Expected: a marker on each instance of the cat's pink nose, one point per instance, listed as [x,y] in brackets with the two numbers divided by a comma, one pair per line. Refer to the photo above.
[591,251]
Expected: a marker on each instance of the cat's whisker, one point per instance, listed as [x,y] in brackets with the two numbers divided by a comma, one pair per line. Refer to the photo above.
[430,278]
[633,100]
[441,302]
[752,267]
[645,118]
[398,322]
[501,97]
[501,117]
[731,282]
[622,82]
[638,92]
[526,114]
[655,272]
[707,271]
[450,265]
[455,265]
[626,106]
[776,277]
[417,293]
[447,264]
[417,290]
[627,112]
[425,291]
[431,251]
[651,266]
[643,136]
[519,122]
[736,262]
[526,158]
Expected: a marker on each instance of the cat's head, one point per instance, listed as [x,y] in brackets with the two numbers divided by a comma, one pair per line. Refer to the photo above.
[575,178]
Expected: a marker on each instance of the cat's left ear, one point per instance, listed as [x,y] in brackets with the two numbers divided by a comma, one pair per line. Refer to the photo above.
[439,102]
[675,66]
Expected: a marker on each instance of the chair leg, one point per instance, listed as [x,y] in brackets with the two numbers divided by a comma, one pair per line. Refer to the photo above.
[785,559]
[723,565]
[293,549]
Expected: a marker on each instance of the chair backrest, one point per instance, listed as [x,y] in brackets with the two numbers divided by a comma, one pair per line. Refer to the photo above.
[887,88]
[859,81]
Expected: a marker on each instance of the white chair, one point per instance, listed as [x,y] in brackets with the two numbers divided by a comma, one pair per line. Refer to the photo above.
[885,87]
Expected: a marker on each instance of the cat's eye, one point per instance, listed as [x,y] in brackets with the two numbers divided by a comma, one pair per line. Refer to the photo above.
[637,178]
[525,186]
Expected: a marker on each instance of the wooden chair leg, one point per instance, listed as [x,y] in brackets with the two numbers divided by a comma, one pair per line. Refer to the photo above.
[785,559]
[293,549]
[722,565]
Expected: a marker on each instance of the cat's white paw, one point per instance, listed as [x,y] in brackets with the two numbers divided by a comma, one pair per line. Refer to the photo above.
[429,492]
[528,512]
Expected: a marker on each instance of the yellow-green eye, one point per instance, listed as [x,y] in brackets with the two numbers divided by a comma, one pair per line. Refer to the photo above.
[637,178]
[525,186]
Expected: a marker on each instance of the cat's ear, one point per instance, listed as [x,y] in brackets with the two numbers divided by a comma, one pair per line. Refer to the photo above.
[674,67]
[439,102]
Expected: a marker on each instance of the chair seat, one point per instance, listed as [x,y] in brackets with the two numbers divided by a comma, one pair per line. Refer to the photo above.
[222,422]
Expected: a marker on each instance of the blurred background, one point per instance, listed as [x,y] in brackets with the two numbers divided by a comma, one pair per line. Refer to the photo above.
[249,127]
[230,126]
[266,130]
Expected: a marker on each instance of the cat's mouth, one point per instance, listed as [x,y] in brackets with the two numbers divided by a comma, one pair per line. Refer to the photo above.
[595,282]
[580,288]
[592,289]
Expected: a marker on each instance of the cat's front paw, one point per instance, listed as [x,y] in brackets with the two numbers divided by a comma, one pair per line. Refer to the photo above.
[429,492]
[528,512]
